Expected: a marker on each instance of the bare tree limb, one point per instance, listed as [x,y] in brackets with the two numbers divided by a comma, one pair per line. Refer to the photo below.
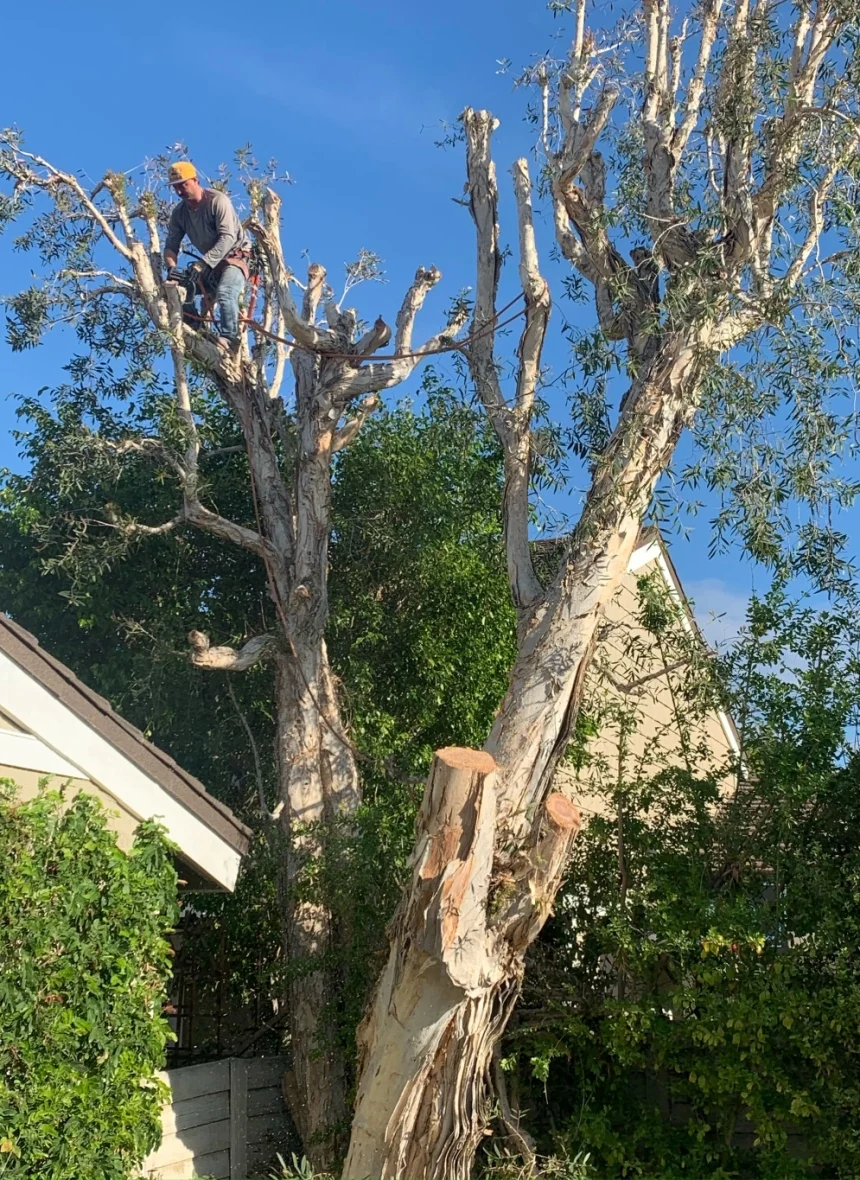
[604,263]
[618,292]
[112,184]
[227,530]
[94,273]
[815,204]
[375,377]
[424,282]
[131,527]
[732,328]
[180,378]
[148,212]
[218,452]
[350,429]
[376,337]
[29,175]
[536,291]
[672,241]
[571,246]
[813,38]
[88,294]
[484,207]
[696,88]
[313,292]
[512,425]
[228,659]
[268,234]
[142,446]
[580,144]
[575,79]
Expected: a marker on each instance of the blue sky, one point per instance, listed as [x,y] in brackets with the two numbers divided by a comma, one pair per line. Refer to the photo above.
[347,95]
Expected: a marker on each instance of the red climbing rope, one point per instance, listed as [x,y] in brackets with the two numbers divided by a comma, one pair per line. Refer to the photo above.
[493,325]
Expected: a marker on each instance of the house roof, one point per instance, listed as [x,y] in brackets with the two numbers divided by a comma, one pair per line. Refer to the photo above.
[25,650]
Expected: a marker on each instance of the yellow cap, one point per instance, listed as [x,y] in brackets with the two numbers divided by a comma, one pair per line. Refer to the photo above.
[181,170]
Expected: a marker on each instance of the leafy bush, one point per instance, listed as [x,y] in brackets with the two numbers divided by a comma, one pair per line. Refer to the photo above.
[83,967]
[694,1006]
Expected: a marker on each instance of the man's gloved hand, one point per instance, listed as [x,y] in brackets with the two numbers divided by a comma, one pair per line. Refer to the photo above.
[175,275]
[197,268]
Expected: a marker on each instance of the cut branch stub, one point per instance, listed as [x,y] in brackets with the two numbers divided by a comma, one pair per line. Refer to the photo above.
[561,823]
[536,874]
[447,909]
[228,659]
[313,291]
[561,813]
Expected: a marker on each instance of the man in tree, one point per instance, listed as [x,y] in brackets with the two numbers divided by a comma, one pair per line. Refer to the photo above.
[736,189]
[208,219]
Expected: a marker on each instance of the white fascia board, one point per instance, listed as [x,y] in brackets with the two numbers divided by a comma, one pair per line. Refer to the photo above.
[24,751]
[91,756]
[643,556]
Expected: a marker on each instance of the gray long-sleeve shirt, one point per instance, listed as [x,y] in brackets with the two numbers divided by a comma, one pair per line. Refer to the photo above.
[213,228]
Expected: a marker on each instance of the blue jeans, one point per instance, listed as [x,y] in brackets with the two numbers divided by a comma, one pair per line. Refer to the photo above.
[230,289]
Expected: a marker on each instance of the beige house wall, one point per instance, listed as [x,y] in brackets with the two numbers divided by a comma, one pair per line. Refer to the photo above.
[648,716]
[118,820]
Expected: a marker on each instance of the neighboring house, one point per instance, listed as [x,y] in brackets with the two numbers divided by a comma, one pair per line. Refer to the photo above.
[223,1119]
[648,696]
[52,726]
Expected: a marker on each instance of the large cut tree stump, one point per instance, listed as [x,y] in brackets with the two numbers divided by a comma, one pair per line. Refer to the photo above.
[453,975]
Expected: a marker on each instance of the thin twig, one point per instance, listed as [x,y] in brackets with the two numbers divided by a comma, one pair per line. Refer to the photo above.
[258,770]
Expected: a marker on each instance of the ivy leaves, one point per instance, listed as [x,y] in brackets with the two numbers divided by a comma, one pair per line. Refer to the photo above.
[84,962]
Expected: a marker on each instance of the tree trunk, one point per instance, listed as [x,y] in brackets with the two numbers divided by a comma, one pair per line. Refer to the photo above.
[318,781]
[452,978]
[491,841]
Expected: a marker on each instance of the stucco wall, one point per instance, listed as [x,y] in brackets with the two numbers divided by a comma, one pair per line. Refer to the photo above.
[119,821]
[627,654]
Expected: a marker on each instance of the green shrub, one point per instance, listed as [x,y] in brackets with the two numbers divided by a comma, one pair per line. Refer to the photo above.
[83,967]
[693,1007]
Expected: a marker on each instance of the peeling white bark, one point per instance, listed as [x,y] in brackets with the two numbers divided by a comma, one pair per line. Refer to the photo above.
[426,1046]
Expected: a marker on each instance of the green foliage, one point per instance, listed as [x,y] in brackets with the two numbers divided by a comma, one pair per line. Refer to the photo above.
[28,317]
[694,1009]
[296,1169]
[84,963]
[421,629]
[421,636]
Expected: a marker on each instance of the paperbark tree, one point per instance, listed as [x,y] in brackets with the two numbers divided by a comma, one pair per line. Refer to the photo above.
[742,152]
[741,167]
[289,454]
